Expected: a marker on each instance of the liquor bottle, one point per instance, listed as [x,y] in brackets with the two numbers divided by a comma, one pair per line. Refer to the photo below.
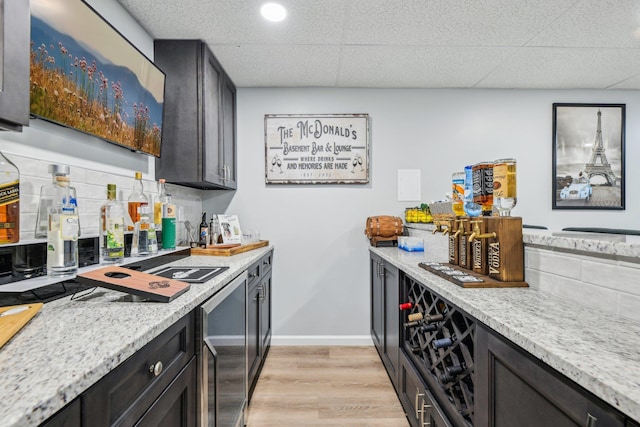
[9,201]
[49,194]
[145,241]
[457,193]
[204,231]
[504,186]
[111,229]
[443,342]
[137,199]
[62,237]
[161,200]
[471,208]
[168,224]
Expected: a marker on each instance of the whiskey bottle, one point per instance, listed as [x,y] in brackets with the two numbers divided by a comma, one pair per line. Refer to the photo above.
[112,229]
[137,199]
[9,201]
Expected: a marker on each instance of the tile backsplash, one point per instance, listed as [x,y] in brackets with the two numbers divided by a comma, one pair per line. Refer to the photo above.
[91,186]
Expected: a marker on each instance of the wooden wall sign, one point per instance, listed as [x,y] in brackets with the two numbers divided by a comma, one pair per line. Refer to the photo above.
[316,149]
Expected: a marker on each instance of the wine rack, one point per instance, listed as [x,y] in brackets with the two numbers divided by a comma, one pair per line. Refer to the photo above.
[442,351]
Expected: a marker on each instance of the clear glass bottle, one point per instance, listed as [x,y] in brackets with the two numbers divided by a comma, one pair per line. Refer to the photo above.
[145,241]
[9,201]
[62,237]
[161,200]
[111,229]
[505,194]
[137,199]
[48,195]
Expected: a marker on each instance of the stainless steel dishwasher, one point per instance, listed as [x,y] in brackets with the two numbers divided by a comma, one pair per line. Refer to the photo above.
[223,362]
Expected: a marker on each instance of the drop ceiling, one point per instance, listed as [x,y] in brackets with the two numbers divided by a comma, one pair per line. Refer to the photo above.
[541,44]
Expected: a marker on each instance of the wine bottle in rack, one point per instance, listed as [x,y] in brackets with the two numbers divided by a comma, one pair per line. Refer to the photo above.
[443,342]
[406,306]
[450,372]
[431,327]
[412,323]
[415,349]
[429,318]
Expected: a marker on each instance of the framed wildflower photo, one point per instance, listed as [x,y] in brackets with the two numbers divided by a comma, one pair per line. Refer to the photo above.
[588,156]
[85,75]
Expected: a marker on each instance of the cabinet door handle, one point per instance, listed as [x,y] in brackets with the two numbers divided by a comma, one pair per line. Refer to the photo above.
[415,402]
[591,421]
[156,369]
[425,408]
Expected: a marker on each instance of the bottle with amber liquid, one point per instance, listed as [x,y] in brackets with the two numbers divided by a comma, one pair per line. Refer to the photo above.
[9,201]
[457,193]
[137,199]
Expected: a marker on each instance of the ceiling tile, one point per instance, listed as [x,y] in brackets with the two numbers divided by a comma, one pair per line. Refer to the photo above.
[415,66]
[279,66]
[595,23]
[449,23]
[239,21]
[555,68]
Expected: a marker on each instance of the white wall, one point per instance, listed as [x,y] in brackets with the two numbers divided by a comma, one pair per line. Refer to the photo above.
[320,271]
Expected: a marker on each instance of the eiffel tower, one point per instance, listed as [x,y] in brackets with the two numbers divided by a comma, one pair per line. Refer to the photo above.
[597,152]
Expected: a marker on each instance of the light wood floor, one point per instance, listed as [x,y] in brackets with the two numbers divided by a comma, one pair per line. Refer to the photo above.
[324,386]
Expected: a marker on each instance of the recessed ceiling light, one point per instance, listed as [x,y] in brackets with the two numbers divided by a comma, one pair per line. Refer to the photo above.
[273,12]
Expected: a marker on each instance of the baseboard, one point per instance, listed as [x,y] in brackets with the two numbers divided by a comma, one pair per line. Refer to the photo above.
[309,340]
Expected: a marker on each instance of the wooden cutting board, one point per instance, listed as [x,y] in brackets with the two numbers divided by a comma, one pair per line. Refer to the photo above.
[10,324]
[225,250]
[144,285]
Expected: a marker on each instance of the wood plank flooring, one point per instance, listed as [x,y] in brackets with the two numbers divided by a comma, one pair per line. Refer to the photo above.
[324,386]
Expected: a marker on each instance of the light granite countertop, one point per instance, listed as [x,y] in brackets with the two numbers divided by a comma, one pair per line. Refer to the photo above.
[597,350]
[620,246]
[70,344]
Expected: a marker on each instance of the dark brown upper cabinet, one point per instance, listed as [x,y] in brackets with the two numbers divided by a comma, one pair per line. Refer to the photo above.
[199,125]
[14,64]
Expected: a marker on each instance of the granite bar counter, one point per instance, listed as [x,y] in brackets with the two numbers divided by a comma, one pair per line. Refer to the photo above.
[70,344]
[598,350]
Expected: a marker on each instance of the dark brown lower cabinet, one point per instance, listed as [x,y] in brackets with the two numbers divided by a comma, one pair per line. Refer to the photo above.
[69,416]
[258,318]
[177,405]
[156,386]
[419,404]
[385,316]
[515,389]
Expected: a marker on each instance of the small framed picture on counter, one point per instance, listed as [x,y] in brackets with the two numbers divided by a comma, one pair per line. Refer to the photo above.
[230,229]
[588,156]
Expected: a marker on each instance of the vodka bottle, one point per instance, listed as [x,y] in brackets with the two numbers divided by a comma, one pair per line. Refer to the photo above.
[137,199]
[111,229]
[145,241]
[49,194]
[62,237]
[9,201]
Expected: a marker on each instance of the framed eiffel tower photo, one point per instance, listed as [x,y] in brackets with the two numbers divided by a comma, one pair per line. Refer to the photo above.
[588,156]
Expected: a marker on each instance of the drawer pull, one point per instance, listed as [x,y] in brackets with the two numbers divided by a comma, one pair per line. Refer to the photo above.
[156,369]
[591,420]
[252,275]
